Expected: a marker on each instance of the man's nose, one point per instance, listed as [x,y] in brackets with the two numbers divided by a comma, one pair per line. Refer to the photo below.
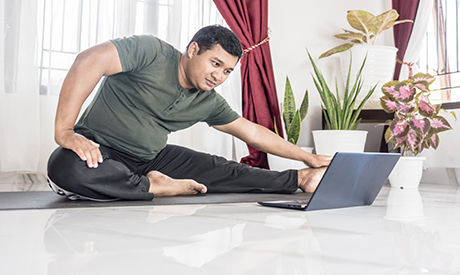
[217,75]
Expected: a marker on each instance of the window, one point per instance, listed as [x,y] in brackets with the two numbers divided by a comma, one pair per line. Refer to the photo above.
[440,52]
[67,27]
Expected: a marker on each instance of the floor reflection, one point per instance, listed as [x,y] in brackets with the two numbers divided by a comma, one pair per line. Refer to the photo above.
[192,239]
[404,204]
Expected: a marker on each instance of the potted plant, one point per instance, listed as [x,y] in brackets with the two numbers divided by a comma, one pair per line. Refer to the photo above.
[340,114]
[361,42]
[292,120]
[415,126]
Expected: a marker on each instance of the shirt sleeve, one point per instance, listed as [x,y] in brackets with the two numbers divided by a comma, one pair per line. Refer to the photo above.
[222,113]
[136,52]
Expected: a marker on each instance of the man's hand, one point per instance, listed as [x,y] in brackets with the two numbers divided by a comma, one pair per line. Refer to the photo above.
[86,149]
[316,161]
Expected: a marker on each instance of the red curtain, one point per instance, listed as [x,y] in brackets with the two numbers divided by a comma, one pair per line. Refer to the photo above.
[407,9]
[248,19]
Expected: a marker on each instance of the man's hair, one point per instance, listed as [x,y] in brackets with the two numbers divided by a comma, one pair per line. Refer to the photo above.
[209,36]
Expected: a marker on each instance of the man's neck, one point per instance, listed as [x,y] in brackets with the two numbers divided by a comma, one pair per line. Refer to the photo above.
[183,80]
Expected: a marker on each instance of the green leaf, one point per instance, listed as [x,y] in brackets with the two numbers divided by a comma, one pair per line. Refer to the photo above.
[383,21]
[338,106]
[323,90]
[294,129]
[351,35]
[388,135]
[360,20]
[454,115]
[288,105]
[338,49]
[304,106]
[361,105]
[326,118]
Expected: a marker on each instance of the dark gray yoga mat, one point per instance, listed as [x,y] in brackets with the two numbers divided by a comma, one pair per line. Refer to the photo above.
[50,200]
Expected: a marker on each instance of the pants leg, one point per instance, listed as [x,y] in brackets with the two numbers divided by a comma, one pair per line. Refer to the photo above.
[221,175]
[112,179]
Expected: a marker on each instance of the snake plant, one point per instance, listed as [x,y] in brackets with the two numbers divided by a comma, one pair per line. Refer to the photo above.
[340,113]
[293,117]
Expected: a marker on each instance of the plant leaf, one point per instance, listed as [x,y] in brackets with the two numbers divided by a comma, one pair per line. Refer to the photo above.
[324,92]
[326,118]
[288,105]
[412,141]
[349,35]
[338,49]
[399,90]
[360,20]
[426,109]
[388,105]
[422,126]
[434,141]
[388,135]
[383,21]
[294,129]
[399,128]
[304,106]
[439,124]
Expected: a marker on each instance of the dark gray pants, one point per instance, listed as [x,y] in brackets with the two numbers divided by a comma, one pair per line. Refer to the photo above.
[122,176]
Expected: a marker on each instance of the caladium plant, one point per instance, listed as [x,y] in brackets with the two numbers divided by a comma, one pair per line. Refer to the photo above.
[417,121]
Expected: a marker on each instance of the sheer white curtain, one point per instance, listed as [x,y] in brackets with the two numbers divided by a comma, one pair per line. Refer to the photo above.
[415,45]
[35,61]
[19,97]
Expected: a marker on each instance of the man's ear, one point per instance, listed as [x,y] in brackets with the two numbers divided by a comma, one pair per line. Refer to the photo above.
[193,49]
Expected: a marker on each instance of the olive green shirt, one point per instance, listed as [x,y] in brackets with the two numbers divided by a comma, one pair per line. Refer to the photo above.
[135,110]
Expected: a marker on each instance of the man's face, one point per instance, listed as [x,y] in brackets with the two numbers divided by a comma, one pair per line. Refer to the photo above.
[210,68]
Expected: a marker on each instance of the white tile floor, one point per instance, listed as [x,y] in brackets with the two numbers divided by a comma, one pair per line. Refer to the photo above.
[20,181]
[403,232]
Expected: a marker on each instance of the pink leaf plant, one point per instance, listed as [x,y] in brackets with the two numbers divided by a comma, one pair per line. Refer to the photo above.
[416,122]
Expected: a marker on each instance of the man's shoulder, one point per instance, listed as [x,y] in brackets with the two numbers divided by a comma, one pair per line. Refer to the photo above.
[148,41]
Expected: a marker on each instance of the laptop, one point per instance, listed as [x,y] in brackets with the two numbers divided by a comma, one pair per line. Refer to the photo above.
[352,179]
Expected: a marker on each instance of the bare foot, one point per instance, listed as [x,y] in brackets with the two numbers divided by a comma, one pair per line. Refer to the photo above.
[162,185]
[309,178]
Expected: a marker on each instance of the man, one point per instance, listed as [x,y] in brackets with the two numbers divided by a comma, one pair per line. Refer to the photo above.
[118,149]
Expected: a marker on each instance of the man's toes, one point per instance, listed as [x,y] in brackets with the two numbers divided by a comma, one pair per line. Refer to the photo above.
[197,187]
[203,189]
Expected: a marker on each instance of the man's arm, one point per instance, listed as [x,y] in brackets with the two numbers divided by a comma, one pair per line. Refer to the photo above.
[88,68]
[265,140]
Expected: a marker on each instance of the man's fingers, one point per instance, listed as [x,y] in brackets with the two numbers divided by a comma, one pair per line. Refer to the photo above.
[95,144]
[94,151]
[89,159]
[80,154]
[99,156]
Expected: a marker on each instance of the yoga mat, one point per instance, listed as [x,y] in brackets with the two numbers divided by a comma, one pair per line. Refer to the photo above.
[50,200]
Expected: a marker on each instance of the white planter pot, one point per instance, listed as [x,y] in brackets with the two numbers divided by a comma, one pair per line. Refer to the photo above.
[379,68]
[328,142]
[281,164]
[407,173]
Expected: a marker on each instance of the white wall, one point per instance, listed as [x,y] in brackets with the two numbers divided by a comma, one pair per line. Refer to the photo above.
[299,24]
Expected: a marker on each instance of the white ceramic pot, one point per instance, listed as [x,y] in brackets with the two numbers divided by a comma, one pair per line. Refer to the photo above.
[379,67]
[281,164]
[407,173]
[328,142]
